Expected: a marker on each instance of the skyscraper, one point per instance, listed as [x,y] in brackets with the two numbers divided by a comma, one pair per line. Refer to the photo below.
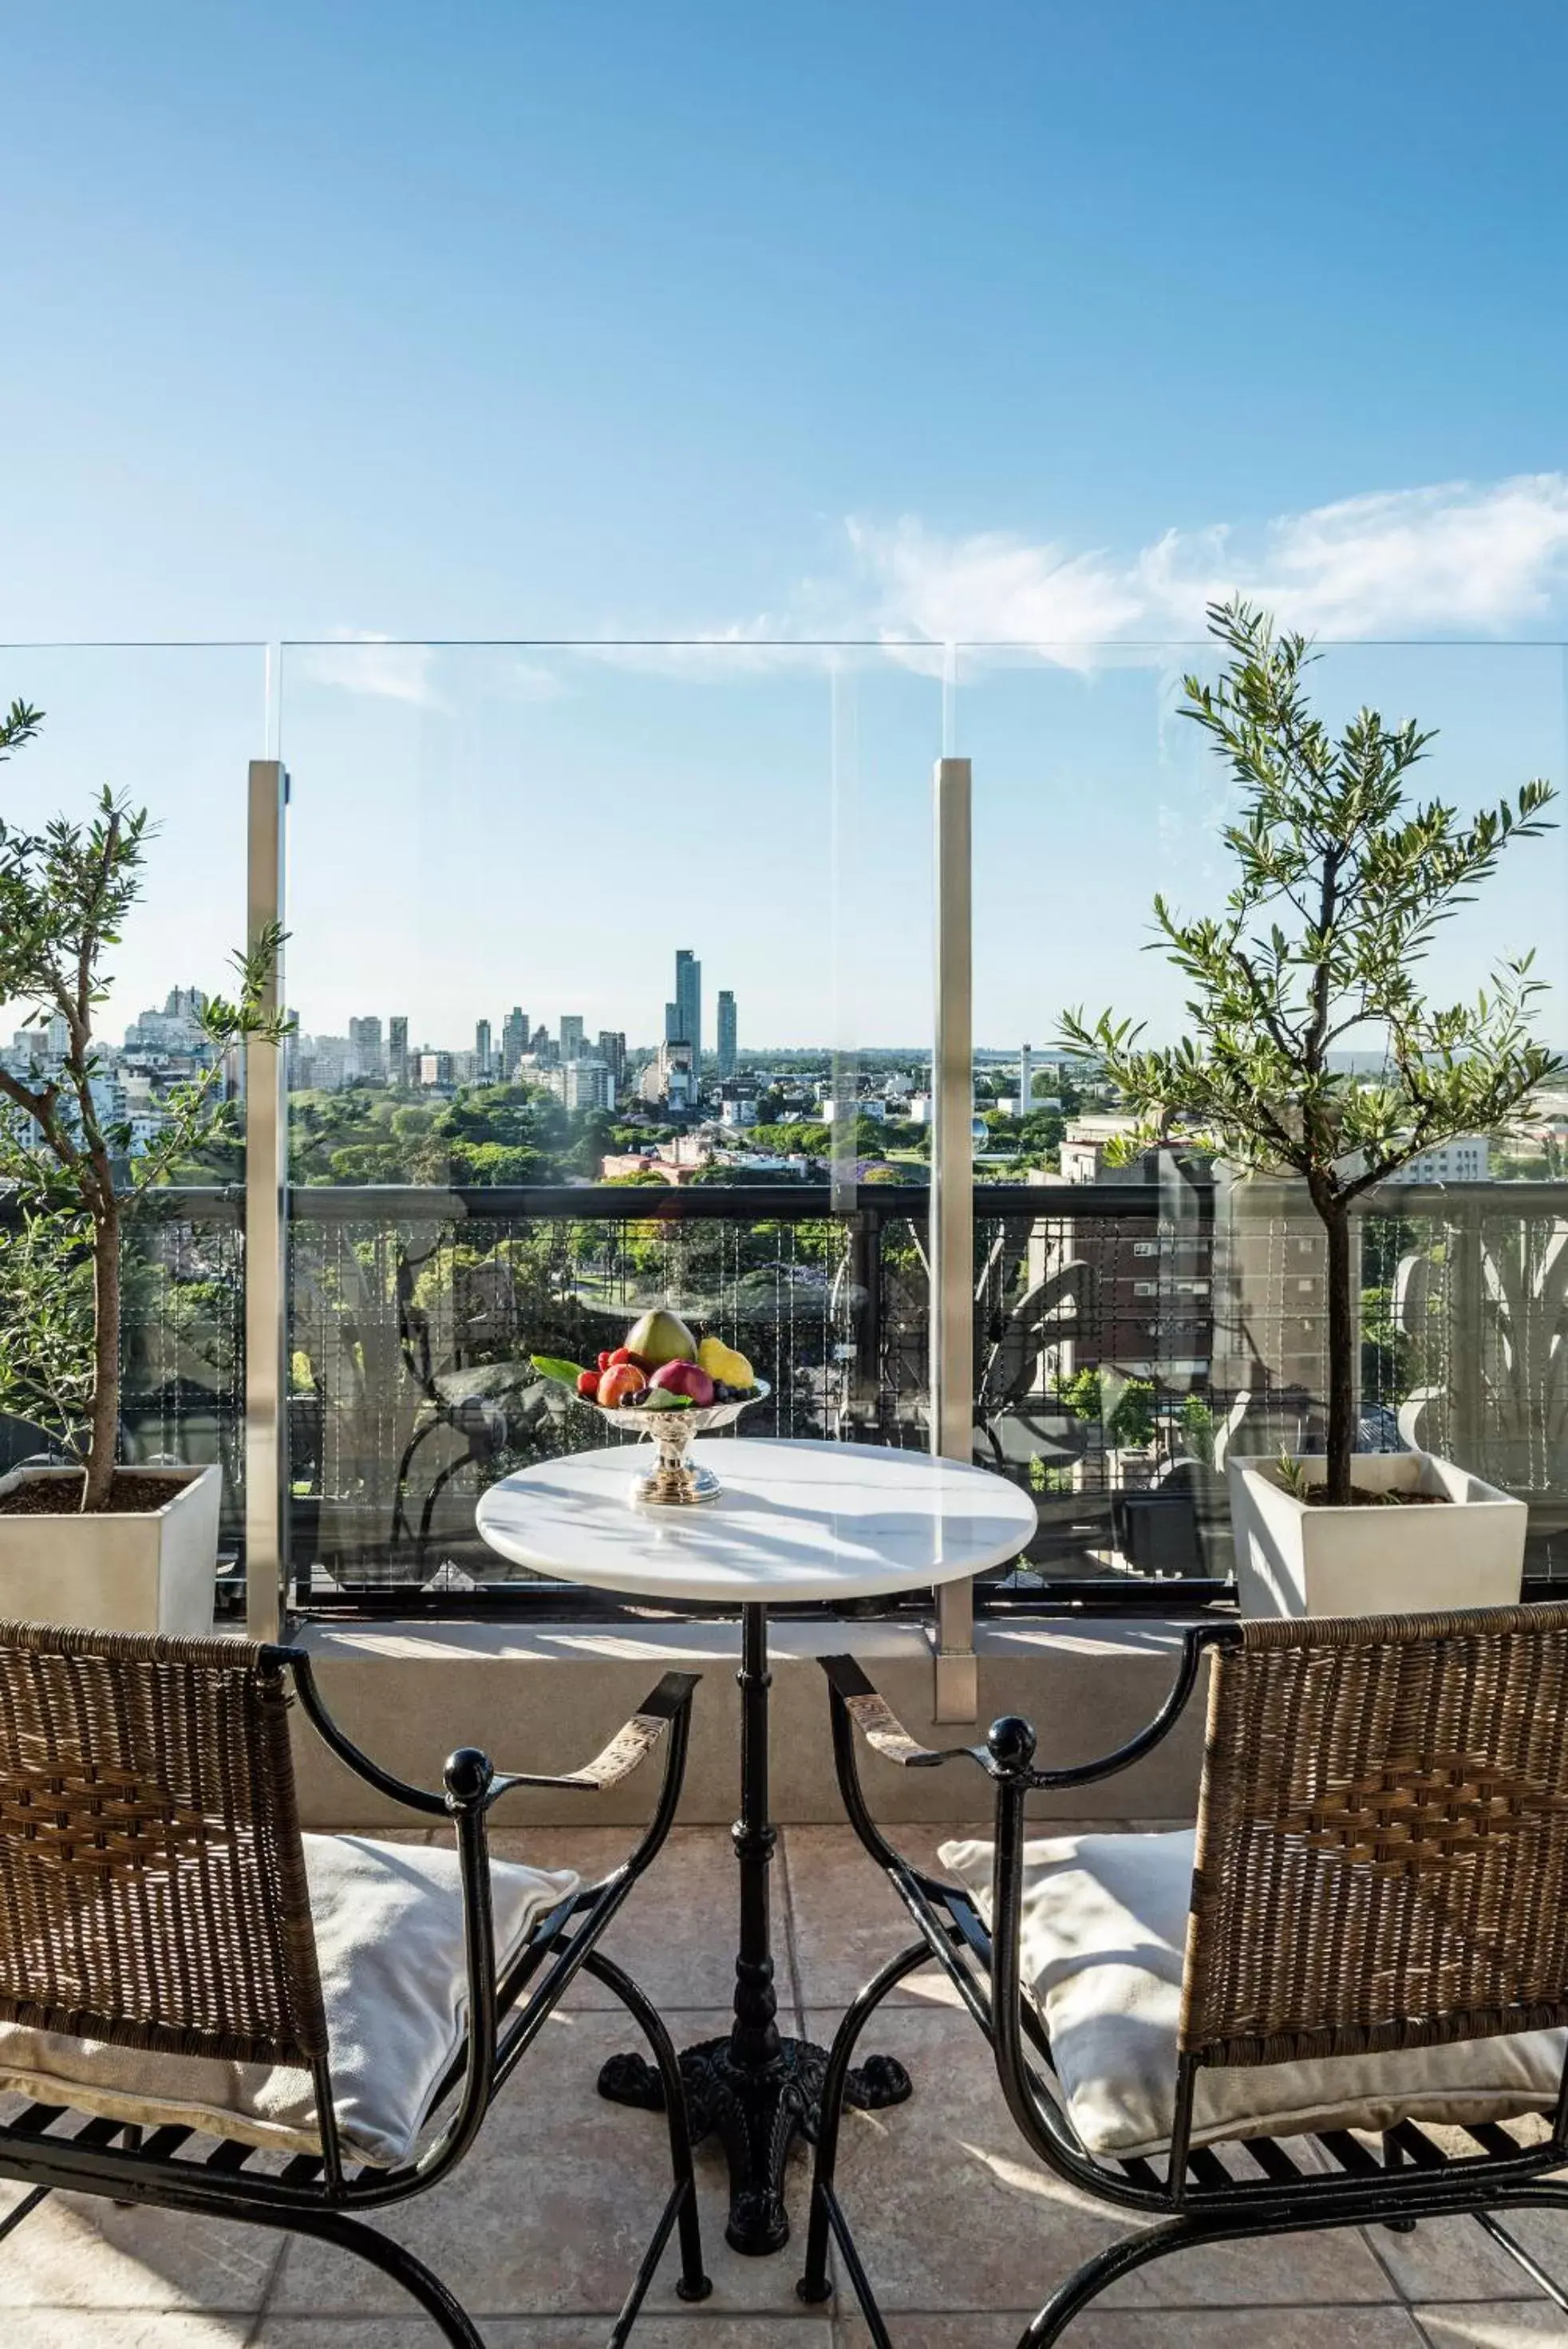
[571,1035]
[481,1050]
[612,1053]
[365,1045]
[398,1048]
[672,1024]
[587,1083]
[514,1041]
[689,1000]
[726,1035]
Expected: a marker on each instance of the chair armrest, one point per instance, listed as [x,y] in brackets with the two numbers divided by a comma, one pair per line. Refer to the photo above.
[337,1742]
[630,1747]
[668,1705]
[1008,1753]
[878,1724]
[855,1708]
[663,1718]
[1009,1750]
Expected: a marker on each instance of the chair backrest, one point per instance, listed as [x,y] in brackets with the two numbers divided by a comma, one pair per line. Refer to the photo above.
[152,1889]
[1382,1853]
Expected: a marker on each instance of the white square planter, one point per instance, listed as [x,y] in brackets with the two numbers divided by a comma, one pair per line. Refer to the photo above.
[143,1571]
[1293,1559]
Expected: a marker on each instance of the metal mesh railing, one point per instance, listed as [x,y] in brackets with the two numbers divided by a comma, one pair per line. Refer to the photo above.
[1127,1337]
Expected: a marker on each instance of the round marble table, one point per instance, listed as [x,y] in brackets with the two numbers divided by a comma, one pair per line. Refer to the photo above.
[795,1521]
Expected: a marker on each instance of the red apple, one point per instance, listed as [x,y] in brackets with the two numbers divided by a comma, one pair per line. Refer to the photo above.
[622,1383]
[685,1379]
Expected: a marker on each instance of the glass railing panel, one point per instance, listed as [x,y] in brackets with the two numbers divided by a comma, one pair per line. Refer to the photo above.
[1461,1337]
[1134,1345]
[1092,1290]
[170,730]
[504,1141]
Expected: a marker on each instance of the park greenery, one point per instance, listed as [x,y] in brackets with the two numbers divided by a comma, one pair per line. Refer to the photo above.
[520,1134]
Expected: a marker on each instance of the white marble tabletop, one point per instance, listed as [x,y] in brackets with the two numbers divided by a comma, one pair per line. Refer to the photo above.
[795,1521]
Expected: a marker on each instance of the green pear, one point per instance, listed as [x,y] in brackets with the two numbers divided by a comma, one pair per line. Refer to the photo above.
[661,1337]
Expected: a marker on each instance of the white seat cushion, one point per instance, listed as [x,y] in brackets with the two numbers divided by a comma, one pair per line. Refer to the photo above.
[389,1938]
[1104,1931]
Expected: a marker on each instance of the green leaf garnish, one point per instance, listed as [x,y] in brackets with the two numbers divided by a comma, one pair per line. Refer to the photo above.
[551,1366]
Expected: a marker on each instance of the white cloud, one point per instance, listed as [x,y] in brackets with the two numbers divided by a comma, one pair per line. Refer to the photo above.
[428,676]
[746,646]
[989,588]
[1452,559]
[512,679]
[366,663]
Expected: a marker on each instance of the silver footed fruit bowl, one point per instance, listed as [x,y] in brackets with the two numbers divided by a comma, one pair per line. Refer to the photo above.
[675,1480]
[667,1385]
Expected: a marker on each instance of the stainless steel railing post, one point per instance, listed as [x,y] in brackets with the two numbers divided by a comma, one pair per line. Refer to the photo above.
[952,1209]
[267,1169]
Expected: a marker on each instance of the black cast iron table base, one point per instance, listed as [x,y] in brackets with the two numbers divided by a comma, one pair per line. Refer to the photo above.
[757,2114]
[755,2091]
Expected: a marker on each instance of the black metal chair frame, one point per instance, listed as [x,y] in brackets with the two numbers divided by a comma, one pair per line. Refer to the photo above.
[1201,2199]
[324,2195]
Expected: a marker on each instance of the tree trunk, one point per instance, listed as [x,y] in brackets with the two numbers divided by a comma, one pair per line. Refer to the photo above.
[1336,1217]
[104,1424]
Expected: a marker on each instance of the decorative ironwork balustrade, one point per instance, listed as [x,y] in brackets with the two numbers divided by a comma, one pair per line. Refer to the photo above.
[1127,1337]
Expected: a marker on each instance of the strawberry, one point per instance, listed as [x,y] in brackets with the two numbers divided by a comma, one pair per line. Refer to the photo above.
[605,1362]
[588,1384]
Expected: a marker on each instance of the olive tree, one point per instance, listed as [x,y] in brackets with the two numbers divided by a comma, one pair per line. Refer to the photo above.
[1341,883]
[68,1165]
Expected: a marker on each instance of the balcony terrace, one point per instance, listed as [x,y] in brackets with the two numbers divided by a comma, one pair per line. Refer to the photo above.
[354,1356]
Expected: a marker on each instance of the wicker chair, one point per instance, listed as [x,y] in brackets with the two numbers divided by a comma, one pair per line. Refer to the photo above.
[1367,1938]
[180,1964]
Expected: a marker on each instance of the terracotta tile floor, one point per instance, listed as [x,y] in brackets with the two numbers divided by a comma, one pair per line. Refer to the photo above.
[963,2233]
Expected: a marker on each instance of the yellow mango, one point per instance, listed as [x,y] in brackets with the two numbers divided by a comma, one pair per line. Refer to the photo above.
[724,1364]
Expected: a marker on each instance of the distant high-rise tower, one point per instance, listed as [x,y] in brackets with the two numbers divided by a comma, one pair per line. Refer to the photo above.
[612,1053]
[365,1043]
[514,1041]
[398,1048]
[689,999]
[1025,1081]
[672,1024]
[726,1035]
[571,1035]
[481,1050]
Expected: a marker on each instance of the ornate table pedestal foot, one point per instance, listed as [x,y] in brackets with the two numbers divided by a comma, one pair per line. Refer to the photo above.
[756,2113]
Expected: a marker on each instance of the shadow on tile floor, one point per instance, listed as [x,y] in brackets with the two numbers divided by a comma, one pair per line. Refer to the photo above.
[963,2232]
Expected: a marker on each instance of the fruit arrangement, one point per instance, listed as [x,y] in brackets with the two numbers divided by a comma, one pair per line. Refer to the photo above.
[661,1368]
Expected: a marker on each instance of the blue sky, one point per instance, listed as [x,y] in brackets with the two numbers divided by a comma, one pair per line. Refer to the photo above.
[1033,322]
